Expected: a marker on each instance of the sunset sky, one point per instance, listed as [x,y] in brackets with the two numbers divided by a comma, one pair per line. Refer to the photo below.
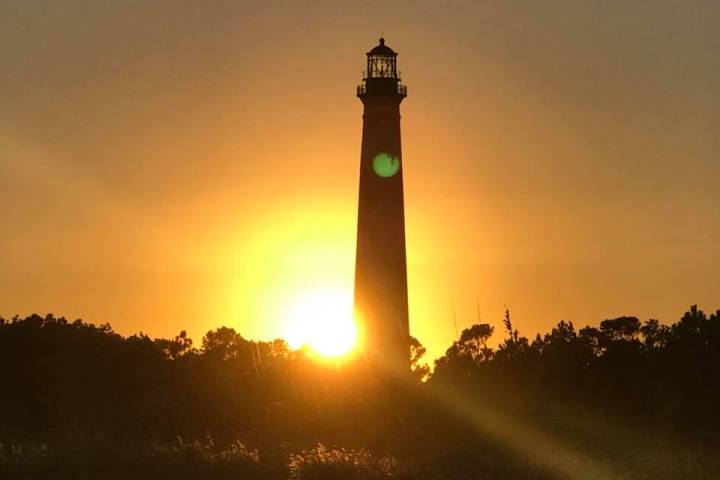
[173,165]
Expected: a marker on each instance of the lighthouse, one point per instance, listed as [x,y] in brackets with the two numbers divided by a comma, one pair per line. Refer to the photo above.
[381,299]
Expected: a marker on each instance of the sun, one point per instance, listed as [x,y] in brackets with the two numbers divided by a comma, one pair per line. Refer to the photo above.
[323,321]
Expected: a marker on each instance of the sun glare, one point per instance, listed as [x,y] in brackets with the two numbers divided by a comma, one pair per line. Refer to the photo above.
[324,322]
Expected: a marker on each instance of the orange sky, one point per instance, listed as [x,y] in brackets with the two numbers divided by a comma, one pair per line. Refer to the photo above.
[169,167]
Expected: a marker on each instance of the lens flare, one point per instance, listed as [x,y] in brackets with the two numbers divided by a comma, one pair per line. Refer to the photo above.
[385,165]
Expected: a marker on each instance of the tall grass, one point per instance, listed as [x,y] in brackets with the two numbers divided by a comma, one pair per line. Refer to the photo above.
[206,459]
[323,463]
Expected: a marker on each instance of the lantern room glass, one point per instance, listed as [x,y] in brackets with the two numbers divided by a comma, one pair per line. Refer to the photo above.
[381,66]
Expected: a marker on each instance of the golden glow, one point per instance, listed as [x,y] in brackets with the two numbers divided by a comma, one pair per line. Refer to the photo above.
[323,321]
[209,186]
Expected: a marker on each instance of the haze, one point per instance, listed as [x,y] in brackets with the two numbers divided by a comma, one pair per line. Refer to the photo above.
[185,165]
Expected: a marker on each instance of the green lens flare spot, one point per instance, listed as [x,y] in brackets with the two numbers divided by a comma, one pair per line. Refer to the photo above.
[385,165]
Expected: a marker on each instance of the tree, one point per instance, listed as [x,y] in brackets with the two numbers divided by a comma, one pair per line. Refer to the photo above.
[473,342]
[466,353]
[417,351]
[176,348]
[514,347]
[654,334]
[224,344]
[621,329]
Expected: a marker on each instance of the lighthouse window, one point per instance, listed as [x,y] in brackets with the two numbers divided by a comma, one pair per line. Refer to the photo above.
[381,67]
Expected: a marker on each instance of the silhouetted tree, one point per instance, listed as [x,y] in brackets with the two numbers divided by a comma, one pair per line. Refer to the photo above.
[73,383]
[224,344]
[176,348]
[417,352]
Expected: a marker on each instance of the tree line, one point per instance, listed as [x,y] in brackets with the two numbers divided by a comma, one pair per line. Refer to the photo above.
[638,393]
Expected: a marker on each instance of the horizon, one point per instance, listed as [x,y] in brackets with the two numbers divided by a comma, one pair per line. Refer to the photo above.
[342,354]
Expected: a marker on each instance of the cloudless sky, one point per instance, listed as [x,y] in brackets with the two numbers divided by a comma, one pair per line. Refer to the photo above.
[169,165]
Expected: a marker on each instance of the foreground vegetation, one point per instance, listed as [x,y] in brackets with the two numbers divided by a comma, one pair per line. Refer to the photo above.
[622,400]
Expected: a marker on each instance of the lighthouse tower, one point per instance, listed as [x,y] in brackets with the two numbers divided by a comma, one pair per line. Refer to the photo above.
[381,300]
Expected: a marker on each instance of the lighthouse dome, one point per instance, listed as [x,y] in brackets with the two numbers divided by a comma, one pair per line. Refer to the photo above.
[382,50]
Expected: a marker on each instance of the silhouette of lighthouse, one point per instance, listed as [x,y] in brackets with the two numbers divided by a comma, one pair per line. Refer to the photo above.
[381,300]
